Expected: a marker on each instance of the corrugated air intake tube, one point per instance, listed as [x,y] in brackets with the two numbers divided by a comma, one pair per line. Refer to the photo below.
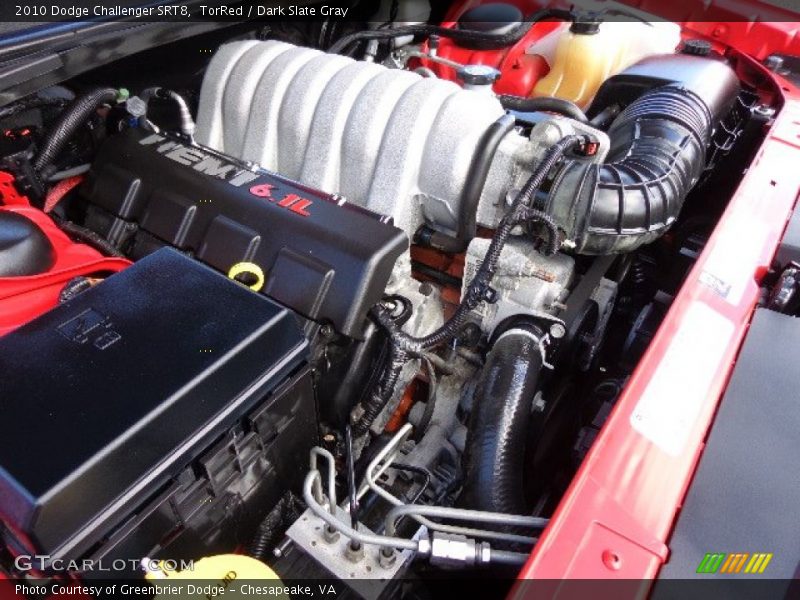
[658,152]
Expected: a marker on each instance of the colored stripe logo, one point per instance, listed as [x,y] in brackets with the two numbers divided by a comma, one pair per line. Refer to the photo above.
[735,562]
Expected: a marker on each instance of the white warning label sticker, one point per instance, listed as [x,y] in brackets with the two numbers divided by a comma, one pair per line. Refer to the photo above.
[671,402]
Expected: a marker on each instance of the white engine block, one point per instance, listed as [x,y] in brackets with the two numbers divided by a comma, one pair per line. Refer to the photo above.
[387,139]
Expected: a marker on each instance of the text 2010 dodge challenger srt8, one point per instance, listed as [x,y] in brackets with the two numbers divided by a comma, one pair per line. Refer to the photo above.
[412,293]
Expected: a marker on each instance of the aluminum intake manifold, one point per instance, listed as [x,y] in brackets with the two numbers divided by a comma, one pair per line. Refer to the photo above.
[387,139]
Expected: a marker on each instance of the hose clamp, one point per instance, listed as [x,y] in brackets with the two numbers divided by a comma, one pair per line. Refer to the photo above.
[543,342]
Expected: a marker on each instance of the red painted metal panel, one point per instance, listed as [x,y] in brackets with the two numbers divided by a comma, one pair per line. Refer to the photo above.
[25,298]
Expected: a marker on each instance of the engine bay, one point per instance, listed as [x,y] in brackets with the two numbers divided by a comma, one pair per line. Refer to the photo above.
[355,305]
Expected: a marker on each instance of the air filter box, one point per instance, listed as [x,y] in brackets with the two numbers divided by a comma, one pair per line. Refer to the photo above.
[145,408]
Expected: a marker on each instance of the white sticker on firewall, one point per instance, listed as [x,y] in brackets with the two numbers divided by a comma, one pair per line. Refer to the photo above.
[668,408]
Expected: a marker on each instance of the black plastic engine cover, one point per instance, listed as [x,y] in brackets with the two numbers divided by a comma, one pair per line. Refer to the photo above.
[24,248]
[324,258]
[109,397]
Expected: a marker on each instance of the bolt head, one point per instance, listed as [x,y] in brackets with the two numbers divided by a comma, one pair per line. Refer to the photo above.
[764,110]
[557,331]
[773,62]
[478,74]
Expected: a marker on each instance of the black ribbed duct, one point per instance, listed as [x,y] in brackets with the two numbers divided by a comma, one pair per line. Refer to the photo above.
[658,152]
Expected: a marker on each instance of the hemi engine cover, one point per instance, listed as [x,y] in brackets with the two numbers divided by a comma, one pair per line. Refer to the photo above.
[326,259]
[388,139]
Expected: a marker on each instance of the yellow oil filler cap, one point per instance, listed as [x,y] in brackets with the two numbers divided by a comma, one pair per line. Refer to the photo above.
[210,577]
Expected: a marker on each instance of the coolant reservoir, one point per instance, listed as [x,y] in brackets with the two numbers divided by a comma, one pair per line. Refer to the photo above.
[591,51]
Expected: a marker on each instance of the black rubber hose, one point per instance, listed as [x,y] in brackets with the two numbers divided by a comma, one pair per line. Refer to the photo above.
[505,557]
[187,126]
[605,116]
[543,103]
[476,179]
[68,123]
[658,153]
[494,460]
[464,37]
